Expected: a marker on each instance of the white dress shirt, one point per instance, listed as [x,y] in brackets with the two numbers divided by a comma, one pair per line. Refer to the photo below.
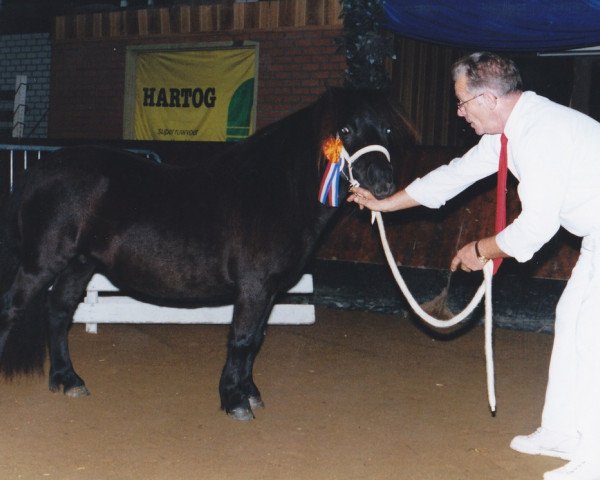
[554,152]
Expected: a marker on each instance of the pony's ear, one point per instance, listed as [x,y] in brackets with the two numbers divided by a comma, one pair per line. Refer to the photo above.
[405,131]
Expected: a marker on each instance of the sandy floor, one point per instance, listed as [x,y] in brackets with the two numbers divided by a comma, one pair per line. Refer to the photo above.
[356,396]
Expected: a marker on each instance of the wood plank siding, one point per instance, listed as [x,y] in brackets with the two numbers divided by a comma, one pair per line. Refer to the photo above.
[189,19]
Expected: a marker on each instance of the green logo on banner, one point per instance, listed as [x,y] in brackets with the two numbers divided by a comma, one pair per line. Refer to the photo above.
[239,114]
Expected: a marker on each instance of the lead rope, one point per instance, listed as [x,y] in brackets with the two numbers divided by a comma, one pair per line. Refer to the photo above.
[485,288]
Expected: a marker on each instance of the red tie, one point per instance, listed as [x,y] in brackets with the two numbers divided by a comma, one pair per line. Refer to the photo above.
[501,193]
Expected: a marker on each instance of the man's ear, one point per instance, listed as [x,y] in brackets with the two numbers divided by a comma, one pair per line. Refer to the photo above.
[490,100]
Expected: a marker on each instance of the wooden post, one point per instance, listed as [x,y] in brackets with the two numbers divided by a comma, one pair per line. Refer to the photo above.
[142,17]
[97,25]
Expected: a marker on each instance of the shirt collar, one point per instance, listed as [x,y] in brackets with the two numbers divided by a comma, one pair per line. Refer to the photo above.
[515,114]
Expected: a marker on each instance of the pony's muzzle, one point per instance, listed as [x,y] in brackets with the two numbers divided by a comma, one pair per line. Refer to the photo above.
[379,174]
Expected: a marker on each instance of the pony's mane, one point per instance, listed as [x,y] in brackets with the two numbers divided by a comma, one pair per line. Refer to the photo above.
[294,128]
[297,138]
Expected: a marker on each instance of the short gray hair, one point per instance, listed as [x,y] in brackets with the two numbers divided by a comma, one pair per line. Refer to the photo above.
[485,70]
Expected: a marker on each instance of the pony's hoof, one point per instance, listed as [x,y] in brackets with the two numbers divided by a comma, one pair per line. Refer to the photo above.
[242,414]
[76,392]
[256,402]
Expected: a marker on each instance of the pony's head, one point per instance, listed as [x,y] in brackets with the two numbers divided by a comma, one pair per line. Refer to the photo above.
[363,127]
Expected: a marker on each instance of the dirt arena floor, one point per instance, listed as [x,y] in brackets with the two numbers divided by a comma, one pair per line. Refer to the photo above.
[356,396]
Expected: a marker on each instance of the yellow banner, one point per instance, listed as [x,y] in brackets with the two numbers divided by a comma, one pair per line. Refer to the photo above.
[203,95]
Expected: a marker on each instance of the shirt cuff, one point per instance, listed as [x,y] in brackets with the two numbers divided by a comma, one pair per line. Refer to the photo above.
[504,243]
[419,193]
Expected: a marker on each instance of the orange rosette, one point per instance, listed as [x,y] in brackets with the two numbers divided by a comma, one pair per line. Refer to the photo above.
[332,149]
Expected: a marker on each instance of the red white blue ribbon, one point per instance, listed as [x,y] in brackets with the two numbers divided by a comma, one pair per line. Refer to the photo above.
[330,185]
[337,158]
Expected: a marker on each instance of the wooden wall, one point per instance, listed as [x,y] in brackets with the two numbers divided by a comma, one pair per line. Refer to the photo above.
[422,83]
[428,238]
[182,19]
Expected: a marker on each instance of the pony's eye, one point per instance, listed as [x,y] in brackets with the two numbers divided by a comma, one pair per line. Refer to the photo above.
[388,131]
[345,130]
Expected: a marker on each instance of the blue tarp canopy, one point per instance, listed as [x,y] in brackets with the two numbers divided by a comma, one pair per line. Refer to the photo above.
[507,25]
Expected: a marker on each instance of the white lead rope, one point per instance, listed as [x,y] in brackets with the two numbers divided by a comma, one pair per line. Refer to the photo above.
[485,288]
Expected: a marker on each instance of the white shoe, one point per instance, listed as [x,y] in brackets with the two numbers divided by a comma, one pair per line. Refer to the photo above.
[576,470]
[546,442]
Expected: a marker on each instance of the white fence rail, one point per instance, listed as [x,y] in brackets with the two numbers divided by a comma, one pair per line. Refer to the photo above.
[104,304]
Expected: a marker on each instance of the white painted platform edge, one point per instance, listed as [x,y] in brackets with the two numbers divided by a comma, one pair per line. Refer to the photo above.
[100,283]
[121,309]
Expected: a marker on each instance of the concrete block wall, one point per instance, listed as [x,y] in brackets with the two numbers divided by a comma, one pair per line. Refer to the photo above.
[28,54]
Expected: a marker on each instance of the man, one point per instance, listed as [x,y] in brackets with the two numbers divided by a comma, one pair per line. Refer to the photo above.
[554,152]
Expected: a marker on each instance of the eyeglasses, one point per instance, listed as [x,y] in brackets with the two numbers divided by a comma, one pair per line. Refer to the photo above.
[460,105]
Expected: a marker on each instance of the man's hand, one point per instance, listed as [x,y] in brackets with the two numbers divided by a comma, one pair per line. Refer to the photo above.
[363,198]
[466,258]
[398,201]
[469,260]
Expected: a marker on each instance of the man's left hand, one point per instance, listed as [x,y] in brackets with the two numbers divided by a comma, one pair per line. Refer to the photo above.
[466,258]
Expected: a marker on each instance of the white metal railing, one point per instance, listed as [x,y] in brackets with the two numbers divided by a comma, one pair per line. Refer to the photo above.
[18,123]
[22,154]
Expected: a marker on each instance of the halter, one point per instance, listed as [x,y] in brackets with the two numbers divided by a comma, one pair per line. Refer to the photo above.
[359,153]
[329,190]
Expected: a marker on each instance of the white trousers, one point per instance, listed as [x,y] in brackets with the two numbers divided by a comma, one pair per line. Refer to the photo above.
[572,404]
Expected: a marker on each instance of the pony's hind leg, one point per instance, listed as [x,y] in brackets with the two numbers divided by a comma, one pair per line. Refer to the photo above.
[238,392]
[14,302]
[62,303]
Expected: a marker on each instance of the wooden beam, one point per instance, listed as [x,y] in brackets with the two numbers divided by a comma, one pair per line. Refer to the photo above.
[80,25]
[268,12]
[97,25]
[239,16]
[300,13]
[206,18]
[142,17]
[185,19]
[114,19]
[59,28]
[334,10]
[165,21]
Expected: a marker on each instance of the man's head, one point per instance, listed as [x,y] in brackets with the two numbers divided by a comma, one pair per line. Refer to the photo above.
[486,86]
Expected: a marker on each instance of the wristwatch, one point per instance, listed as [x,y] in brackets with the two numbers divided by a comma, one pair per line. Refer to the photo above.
[480,257]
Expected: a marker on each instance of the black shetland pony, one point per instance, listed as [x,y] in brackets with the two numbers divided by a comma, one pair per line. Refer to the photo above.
[236,229]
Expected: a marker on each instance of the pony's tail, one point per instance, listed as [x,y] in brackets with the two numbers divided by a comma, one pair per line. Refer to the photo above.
[24,350]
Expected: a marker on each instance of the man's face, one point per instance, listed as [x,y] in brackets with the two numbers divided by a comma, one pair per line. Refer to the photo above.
[474,110]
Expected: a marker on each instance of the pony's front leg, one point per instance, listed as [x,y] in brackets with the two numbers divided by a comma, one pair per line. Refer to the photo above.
[239,394]
[62,303]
